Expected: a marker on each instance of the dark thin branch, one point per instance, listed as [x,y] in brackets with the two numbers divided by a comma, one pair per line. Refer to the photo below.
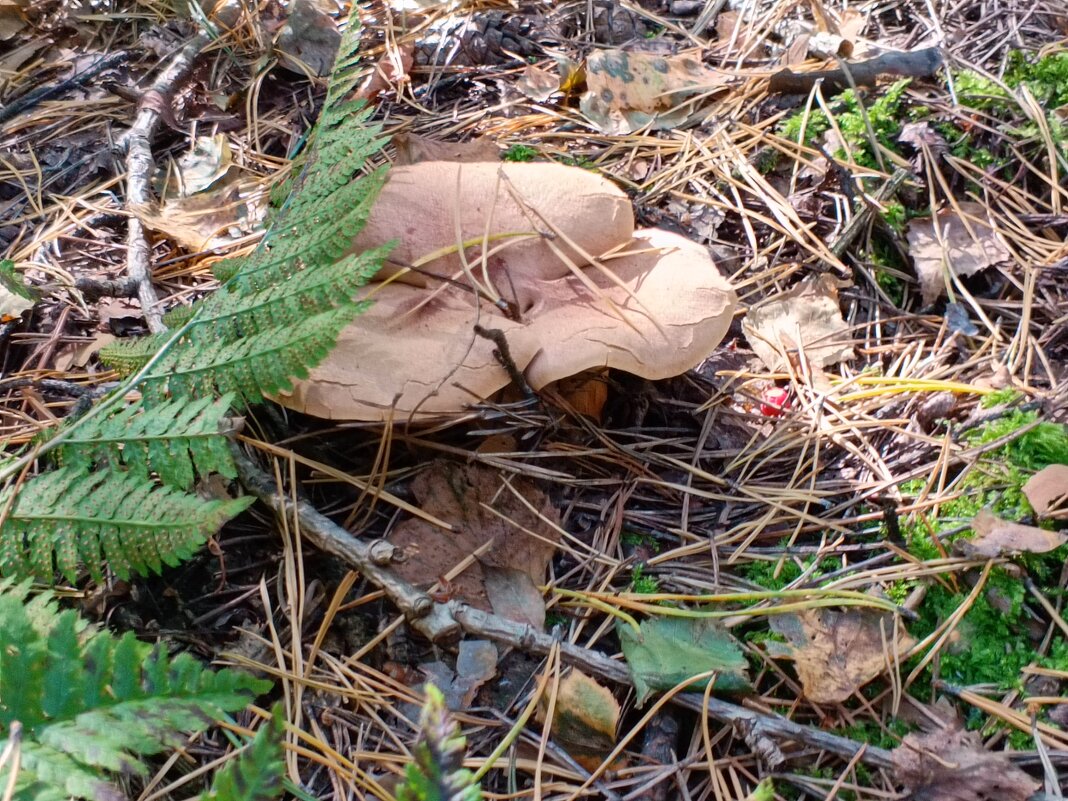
[917,64]
[43,93]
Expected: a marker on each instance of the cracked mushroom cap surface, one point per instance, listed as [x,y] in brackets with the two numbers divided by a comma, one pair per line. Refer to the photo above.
[657,310]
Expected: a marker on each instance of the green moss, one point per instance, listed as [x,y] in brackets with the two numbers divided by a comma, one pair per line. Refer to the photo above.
[1046,78]
[872,733]
[637,539]
[762,572]
[520,153]
[883,113]
[642,584]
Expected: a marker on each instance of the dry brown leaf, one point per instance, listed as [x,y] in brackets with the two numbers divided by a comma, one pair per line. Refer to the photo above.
[837,653]
[807,315]
[392,69]
[309,40]
[232,208]
[628,91]
[512,594]
[538,84]
[995,537]
[1047,491]
[413,149]
[205,164]
[515,537]
[476,663]
[948,241]
[950,764]
[585,719]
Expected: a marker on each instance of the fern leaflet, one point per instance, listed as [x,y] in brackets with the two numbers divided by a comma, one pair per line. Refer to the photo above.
[176,440]
[437,773]
[66,517]
[88,704]
[256,773]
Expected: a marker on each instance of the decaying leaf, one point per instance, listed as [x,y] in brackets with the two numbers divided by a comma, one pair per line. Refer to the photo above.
[995,537]
[1047,491]
[206,163]
[656,308]
[964,245]
[808,316]
[229,210]
[513,594]
[476,663]
[309,40]
[486,517]
[628,91]
[950,764]
[836,653]
[670,650]
[538,84]
[585,718]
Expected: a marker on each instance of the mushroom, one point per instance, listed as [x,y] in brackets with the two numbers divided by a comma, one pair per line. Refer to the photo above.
[654,305]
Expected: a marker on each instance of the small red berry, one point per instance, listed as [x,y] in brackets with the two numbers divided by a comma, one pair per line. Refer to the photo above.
[774,401]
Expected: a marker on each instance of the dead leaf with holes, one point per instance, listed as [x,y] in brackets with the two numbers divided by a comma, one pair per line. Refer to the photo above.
[628,91]
[585,719]
[806,315]
[995,537]
[1047,491]
[962,245]
[229,210]
[836,653]
[490,523]
[950,764]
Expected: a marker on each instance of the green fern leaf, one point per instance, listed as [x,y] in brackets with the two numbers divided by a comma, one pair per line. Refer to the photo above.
[256,774]
[128,355]
[176,440]
[87,704]
[261,364]
[437,773]
[68,517]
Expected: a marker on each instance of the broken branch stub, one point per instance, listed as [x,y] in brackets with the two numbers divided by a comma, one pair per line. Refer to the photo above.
[655,307]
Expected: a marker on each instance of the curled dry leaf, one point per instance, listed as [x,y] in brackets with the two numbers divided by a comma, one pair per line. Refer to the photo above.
[1047,491]
[807,315]
[206,163]
[837,653]
[476,663]
[538,84]
[585,718]
[309,40]
[995,537]
[628,91]
[486,518]
[964,245]
[950,764]
[656,308]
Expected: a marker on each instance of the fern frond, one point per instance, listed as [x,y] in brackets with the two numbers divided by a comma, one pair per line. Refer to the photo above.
[67,517]
[176,440]
[91,704]
[261,364]
[437,774]
[283,305]
[256,773]
[130,354]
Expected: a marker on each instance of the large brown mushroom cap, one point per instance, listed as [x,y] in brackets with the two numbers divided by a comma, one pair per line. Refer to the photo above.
[414,354]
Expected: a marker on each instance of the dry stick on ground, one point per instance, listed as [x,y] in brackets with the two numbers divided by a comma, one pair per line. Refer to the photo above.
[443,621]
[155,105]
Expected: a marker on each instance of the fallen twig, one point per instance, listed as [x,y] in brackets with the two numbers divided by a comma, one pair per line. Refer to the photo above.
[154,106]
[443,621]
[917,64]
[43,93]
